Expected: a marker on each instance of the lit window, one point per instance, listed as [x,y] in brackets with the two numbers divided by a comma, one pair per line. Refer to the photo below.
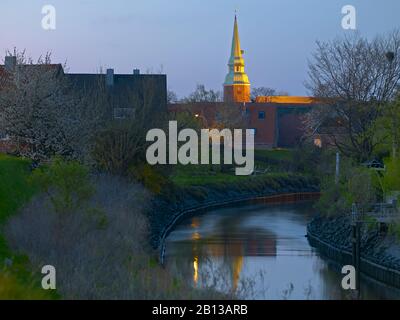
[318,142]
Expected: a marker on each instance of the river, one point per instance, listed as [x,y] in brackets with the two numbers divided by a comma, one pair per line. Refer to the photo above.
[259,251]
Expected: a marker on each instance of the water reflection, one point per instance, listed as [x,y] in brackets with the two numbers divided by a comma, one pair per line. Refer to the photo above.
[195,270]
[258,251]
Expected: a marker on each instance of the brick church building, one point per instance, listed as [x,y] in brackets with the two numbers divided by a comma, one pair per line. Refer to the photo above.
[276,120]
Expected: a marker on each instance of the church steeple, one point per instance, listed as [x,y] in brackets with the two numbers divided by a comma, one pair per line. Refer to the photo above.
[236,51]
[237,84]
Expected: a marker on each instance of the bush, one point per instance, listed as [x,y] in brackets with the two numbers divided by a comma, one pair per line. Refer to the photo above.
[394,229]
[95,251]
[307,158]
[391,177]
[66,184]
[12,289]
[151,177]
[370,222]
[356,185]
[117,147]
[360,188]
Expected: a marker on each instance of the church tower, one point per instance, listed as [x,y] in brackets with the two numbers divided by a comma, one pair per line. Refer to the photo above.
[236,85]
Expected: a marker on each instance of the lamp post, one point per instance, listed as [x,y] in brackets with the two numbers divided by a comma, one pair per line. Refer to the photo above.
[356,245]
[337,168]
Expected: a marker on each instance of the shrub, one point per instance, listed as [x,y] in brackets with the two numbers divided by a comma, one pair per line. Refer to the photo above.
[115,148]
[394,229]
[151,177]
[12,289]
[391,177]
[331,202]
[66,184]
[95,250]
[370,222]
[360,188]
[356,185]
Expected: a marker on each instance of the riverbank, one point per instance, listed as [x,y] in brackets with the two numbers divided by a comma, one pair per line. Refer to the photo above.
[380,254]
[168,210]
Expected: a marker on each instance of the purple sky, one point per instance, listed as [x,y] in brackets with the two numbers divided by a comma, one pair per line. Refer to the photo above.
[189,38]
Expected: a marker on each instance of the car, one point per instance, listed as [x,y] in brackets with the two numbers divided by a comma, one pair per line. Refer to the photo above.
[374,164]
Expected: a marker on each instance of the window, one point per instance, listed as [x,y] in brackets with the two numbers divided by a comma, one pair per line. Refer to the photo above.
[261,114]
[254,131]
[318,142]
[123,113]
[4,136]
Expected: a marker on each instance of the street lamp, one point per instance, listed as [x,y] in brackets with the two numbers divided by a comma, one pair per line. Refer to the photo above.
[204,120]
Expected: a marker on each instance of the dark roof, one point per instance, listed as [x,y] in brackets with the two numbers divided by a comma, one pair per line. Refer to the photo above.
[125,86]
[120,80]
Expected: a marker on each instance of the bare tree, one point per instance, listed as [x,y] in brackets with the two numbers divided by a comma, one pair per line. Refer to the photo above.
[265,91]
[231,117]
[354,77]
[201,94]
[122,143]
[172,97]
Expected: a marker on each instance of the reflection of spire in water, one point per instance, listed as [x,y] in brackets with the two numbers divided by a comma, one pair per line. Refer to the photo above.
[237,268]
[195,222]
[196,236]
[195,270]
[230,243]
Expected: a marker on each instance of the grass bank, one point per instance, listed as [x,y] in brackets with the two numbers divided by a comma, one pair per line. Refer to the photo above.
[269,164]
[17,282]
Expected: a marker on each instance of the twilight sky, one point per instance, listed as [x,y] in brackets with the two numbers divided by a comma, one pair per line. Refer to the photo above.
[190,39]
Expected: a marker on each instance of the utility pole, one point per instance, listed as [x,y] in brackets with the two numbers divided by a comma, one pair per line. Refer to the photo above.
[337,171]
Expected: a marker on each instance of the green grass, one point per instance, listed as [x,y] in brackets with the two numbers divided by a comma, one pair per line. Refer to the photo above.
[275,154]
[210,174]
[14,187]
[17,282]
[14,192]
[186,178]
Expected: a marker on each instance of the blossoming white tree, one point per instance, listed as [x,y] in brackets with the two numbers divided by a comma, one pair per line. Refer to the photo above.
[41,113]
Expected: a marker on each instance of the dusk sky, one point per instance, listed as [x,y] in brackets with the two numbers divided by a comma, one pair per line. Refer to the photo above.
[191,39]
